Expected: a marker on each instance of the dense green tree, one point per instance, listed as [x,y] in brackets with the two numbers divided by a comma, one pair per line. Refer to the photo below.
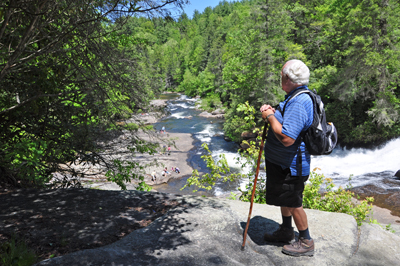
[64,78]
[357,67]
[257,46]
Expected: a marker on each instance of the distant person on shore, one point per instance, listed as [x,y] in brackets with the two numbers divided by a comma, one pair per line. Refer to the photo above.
[177,170]
[287,160]
[163,129]
[153,176]
[169,150]
[166,171]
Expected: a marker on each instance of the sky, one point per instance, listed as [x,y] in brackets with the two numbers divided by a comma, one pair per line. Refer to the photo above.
[200,5]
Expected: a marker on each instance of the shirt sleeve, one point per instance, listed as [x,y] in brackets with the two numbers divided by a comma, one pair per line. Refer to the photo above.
[294,120]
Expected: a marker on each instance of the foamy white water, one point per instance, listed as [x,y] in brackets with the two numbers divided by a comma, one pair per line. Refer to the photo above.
[206,134]
[235,165]
[183,97]
[183,105]
[179,115]
[365,165]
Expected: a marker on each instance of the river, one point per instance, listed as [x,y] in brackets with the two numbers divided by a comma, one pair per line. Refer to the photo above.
[364,166]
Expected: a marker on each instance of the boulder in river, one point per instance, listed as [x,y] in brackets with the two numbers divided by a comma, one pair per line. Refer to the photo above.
[211,115]
[248,135]
[218,112]
[397,174]
[226,138]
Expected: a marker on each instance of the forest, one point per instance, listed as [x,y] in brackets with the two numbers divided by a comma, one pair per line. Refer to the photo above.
[233,53]
[71,70]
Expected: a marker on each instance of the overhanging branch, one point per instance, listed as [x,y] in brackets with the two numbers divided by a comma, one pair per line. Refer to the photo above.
[29,100]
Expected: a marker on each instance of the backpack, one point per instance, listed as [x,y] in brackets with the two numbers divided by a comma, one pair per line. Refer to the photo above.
[321,137]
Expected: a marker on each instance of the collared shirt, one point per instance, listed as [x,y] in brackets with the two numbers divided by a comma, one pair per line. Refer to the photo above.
[298,117]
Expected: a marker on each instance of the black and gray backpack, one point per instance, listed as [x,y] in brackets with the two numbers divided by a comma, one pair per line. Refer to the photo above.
[321,137]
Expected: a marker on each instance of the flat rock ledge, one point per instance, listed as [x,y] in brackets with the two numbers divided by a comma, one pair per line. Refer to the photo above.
[209,231]
[211,115]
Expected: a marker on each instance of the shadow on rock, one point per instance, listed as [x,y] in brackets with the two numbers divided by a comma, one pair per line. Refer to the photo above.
[66,220]
[258,227]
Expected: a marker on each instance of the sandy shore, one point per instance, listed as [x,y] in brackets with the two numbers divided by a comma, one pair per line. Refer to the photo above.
[180,144]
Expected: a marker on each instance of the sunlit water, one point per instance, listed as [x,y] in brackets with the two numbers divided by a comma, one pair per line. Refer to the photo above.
[362,165]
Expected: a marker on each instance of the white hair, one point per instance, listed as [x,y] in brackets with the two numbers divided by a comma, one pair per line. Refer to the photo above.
[297,71]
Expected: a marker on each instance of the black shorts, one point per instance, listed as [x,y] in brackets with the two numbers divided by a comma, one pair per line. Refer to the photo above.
[283,189]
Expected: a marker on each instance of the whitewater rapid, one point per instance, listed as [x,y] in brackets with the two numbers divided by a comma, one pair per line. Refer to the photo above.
[364,166]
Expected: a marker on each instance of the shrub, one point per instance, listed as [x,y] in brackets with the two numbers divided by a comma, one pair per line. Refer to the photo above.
[210,102]
[259,194]
[320,195]
[16,252]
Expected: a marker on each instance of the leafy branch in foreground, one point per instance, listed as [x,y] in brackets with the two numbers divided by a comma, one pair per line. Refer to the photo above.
[218,171]
[124,173]
[16,252]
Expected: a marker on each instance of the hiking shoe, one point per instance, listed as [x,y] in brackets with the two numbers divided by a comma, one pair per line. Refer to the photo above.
[302,247]
[283,234]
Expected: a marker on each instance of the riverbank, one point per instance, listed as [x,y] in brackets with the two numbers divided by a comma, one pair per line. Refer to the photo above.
[173,152]
[180,145]
[385,202]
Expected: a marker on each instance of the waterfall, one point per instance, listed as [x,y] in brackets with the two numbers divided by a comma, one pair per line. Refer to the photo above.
[365,165]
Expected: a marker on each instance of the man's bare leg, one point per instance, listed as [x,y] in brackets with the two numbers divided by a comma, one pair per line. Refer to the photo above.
[299,216]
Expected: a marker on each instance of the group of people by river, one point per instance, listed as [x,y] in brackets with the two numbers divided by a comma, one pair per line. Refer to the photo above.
[165,172]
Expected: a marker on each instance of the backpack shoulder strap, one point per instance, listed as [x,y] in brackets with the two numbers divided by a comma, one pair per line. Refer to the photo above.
[297,92]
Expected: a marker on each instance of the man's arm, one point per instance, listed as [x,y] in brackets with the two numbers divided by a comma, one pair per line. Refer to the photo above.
[268,111]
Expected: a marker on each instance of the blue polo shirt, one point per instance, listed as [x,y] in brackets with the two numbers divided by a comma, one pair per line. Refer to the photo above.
[298,117]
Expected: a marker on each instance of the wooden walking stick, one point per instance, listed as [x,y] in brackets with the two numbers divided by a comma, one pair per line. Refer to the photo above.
[255,183]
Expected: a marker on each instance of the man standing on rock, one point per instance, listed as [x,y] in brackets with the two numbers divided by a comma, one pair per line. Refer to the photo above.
[288,161]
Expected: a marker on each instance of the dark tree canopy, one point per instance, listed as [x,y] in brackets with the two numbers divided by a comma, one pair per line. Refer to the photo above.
[65,76]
